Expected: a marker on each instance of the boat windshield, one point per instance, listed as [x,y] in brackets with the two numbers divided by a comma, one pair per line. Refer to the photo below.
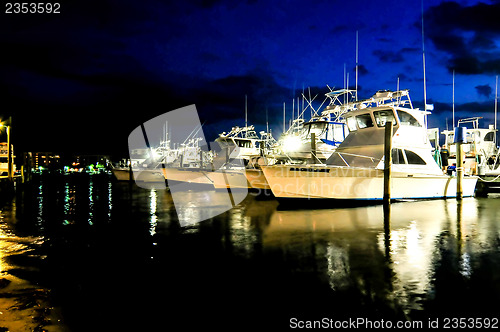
[225,142]
[381,117]
[489,137]
[351,124]
[364,121]
[406,119]
[317,128]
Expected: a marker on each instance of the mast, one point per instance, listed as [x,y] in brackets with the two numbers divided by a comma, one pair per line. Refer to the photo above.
[496,98]
[397,89]
[423,58]
[246,117]
[284,117]
[267,122]
[357,65]
[345,81]
[453,98]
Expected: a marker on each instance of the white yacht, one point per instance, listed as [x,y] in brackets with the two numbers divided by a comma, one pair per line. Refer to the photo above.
[355,170]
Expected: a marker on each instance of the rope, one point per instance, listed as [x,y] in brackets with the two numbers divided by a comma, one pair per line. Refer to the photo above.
[483,180]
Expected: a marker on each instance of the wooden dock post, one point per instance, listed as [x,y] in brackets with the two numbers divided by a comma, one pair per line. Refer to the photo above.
[387,161]
[459,139]
[460,171]
[313,149]
[9,152]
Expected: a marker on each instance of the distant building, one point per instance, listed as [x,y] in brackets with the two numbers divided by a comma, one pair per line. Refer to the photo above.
[46,160]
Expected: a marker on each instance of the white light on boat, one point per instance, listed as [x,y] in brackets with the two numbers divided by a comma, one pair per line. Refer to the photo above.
[291,143]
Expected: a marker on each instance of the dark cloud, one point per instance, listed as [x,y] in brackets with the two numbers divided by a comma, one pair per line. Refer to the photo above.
[467,34]
[362,70]
[484,90]
[388,56]
[394,56]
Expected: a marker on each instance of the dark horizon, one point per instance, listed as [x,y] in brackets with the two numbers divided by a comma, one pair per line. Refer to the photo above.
[83,79]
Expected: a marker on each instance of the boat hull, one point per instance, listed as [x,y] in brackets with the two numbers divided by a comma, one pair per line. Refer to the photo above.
[149,175]
[257,179]
[196,176]
[227,179]
[359,184]
[121,174]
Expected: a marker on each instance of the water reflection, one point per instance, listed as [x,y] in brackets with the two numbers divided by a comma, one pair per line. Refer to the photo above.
[406,260]
[152,211]
[415,238]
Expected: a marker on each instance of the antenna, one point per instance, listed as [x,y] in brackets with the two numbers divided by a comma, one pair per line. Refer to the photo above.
[357,65]
[344,80]
[453,98]
[399,95]
[423,58]
[496,98]
[246,117]
[302,98]
[267,122]
[310,100]
[284,121]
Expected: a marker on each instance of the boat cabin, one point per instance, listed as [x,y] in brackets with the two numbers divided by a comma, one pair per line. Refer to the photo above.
[364,146]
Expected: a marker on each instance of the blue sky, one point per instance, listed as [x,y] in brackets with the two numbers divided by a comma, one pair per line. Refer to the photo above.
[87,77]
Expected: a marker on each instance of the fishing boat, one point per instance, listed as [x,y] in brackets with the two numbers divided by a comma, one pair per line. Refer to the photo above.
[318,137]
[239,151]
[145,164]
[190,164]
[480,150]
[355,170]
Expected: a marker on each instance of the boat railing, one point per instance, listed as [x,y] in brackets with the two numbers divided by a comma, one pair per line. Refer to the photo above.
[342,154]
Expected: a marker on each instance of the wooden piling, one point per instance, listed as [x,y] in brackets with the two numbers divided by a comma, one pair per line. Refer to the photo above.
[313,149]
[460,171]
[9,152]
[387,161]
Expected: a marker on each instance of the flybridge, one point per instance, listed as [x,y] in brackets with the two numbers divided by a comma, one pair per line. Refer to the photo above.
[241,132]
[399,98]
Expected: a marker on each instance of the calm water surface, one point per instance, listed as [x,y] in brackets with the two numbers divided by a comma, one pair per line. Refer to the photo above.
[111,256]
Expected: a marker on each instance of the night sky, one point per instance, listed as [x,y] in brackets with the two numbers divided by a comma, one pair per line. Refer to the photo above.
[83,79]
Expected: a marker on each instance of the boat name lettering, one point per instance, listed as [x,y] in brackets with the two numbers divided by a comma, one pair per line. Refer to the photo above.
[303,169]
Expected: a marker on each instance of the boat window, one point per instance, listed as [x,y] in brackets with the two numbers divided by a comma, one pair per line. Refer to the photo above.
[413,158]
[225,142]
[489,137]
[336,132]
[381,117]
[317,128]
[351,124]
[364,121]
[406,119]
[397,156]
[244,143]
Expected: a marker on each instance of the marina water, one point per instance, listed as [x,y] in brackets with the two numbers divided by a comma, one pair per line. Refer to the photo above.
[95,254]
